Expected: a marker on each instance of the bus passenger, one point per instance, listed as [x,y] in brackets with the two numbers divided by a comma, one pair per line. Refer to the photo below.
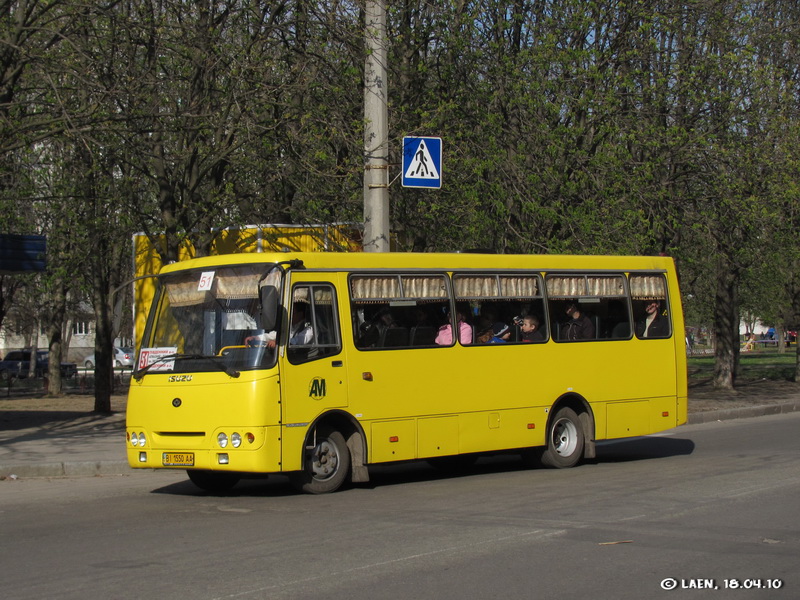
[500,333]
[653,325]
[300,332]
[444,337]
[373,333]
[529,329]
[483,331]
[579,327]
[488,333]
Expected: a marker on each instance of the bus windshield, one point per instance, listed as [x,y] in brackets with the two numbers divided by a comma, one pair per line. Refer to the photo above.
[208,320]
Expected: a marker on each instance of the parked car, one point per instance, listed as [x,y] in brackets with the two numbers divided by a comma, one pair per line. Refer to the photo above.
[123,357]
[17,364]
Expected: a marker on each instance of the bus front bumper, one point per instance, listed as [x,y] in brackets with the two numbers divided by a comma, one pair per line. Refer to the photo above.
[254,450]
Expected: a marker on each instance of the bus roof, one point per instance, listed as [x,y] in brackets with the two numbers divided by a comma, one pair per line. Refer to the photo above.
[436,261]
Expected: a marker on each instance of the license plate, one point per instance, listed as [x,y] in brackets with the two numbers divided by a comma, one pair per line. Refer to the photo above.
[177,459]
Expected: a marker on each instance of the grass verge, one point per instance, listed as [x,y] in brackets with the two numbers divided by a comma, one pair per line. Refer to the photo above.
[757,365]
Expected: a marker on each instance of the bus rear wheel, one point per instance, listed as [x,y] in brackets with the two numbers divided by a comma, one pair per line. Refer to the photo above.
[213,481]
[564,440]
[326,466]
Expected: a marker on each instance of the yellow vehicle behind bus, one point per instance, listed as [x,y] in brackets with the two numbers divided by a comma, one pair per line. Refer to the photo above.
[318,365]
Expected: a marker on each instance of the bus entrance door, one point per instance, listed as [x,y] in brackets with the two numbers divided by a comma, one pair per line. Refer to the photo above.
[313,377]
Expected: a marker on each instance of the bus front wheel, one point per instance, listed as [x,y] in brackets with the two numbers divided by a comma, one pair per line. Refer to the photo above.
[213,481]
[564,440]
[326,466]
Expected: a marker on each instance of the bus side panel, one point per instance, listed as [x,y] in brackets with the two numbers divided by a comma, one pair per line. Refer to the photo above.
[627,419]
[427,382]
[393,440]
[438,436]
[619,372]
[500,430]
[503,393]
[682,410]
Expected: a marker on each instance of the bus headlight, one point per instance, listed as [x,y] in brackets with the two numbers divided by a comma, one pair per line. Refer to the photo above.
[236,440]
[222,440]
[134,440]
[142,439]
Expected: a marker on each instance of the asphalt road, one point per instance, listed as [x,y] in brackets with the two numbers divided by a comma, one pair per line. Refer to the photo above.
[699,506]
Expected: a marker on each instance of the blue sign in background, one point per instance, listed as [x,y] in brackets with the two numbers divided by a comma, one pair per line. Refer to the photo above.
[22,253]
[422,162]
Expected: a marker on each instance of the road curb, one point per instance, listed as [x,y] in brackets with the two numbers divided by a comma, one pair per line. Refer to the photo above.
[743,412]
[66,469]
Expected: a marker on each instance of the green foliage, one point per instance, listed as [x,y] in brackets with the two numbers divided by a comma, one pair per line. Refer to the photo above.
[568,126]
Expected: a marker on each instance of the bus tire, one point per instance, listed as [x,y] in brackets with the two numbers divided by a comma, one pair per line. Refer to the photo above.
[564,440]
[325,467]
[213,481]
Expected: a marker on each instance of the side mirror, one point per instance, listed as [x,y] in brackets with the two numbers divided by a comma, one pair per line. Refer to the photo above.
[270,301]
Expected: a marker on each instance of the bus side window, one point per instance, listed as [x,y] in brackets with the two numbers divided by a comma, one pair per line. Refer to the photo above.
[398,310]
[385,326]
[498,304]
[651,313]
[591,306]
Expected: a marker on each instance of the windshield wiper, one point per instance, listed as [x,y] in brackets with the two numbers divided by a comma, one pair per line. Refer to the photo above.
[229,371]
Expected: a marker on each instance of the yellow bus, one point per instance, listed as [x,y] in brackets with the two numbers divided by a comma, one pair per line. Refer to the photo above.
[317,365]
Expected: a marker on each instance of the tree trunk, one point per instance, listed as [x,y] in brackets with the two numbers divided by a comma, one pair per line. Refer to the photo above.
[780,335]
[54,383]
[107,267]
[103,348]
[34,346]
[726,325]
[55,322]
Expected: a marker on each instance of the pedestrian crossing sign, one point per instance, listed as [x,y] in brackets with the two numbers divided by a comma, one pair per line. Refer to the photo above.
[422,162]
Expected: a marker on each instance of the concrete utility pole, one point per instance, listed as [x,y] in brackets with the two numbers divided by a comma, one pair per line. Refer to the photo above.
[376,131]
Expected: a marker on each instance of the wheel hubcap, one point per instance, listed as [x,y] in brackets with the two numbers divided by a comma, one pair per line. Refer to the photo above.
[326,460]
[565,437]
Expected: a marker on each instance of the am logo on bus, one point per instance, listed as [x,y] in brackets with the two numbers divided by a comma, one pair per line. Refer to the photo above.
[317,388]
